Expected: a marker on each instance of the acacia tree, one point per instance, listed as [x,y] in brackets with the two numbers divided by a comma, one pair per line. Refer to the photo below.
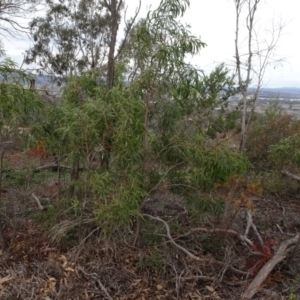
[251,63]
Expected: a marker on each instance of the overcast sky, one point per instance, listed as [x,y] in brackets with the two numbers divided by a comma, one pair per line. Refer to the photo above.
[214,22]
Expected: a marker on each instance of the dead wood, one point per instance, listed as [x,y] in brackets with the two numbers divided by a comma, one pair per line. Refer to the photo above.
[295,177]
[268,267]
[37,200]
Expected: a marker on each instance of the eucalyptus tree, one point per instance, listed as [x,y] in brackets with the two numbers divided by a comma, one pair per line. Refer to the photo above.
[72,37]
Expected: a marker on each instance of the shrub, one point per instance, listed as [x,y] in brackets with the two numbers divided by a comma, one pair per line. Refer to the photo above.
[268,130]
[286,152]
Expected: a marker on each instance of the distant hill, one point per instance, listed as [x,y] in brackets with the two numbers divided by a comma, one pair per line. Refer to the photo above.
[283,91]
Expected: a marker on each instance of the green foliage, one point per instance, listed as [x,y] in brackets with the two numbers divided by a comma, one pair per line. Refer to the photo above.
[152,233]
[47,218]
[210,101]
[287,151]
[195,165]
[77,128]
[201,205]
[223,122]
[272,182]
[121,205]
[17,103]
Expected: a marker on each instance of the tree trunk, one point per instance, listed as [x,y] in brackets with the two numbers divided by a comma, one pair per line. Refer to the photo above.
[113,7]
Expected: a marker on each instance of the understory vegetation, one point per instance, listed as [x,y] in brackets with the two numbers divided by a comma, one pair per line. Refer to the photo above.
[130,184]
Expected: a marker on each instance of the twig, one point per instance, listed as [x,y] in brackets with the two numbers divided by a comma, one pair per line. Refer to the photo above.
[279,228]
[268,267]
[40,206]
[104,289]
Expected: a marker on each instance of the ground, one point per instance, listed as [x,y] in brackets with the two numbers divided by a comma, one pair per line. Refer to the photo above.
[36,264]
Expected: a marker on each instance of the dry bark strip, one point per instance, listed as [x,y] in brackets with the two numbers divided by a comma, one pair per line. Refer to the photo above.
[268,267]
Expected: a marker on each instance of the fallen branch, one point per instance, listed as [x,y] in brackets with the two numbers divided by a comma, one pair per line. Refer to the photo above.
[295,177]
[40,206]
[268,267]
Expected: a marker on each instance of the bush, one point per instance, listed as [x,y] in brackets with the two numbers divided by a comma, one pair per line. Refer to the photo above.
[286,152]
[267,130]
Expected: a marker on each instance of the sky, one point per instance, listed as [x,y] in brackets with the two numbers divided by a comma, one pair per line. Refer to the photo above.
[213,21]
